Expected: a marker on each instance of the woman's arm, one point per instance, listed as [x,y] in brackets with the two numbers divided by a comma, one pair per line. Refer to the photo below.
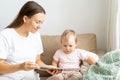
[39,61]
[9,68]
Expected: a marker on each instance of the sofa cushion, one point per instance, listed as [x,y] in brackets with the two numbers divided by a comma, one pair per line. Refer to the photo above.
[87,42]
[52,42]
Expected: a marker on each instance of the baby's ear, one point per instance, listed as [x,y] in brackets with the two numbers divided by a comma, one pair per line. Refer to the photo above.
[76,45]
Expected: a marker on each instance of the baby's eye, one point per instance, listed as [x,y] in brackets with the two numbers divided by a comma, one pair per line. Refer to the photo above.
[65,45]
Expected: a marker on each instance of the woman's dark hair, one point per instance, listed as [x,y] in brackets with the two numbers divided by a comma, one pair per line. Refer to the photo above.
[29,9]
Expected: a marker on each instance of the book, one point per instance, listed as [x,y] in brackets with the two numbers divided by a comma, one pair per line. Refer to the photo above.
[45,68]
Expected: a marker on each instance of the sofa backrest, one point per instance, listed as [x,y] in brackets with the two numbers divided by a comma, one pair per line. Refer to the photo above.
[52,42]
[87,42]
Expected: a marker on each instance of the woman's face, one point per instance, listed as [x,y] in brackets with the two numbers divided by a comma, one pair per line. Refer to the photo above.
[35,22]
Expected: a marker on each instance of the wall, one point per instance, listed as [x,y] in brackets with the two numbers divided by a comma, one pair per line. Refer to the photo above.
[84,16]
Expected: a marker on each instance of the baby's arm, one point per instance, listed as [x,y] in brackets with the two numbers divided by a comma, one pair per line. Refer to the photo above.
[52,72]
[55,63]
[92,58]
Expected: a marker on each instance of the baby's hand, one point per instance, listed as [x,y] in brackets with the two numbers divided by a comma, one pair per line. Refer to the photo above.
[52,72]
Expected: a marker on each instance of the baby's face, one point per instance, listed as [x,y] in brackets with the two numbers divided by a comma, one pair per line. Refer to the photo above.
[69,45]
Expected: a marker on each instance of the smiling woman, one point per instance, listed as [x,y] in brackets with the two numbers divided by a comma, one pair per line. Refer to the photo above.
[20,44]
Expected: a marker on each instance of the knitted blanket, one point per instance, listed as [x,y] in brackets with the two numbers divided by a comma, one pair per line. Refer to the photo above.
[107,67]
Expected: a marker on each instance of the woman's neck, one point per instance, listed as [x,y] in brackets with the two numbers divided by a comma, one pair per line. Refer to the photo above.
[22,31]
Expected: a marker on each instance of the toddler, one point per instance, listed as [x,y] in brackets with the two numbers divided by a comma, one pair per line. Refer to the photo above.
[69,57]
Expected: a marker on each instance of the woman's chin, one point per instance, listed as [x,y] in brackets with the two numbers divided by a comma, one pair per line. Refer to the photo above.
[34,31]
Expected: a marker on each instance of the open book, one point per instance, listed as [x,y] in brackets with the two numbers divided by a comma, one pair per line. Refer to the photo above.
[44,68]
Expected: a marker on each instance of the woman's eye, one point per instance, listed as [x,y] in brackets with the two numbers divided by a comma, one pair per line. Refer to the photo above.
[70,45]
[37,22]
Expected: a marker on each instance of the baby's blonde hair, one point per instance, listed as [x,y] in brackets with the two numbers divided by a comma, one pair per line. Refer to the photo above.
[67,33]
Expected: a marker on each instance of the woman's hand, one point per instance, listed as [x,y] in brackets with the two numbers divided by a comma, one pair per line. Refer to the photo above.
[28,66]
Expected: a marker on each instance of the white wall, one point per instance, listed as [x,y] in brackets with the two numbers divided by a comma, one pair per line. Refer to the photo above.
[84,16]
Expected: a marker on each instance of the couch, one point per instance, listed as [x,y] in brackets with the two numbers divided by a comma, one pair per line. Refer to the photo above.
[51,43]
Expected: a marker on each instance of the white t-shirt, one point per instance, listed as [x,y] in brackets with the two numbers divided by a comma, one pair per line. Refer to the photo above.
[17,49]
[72,60]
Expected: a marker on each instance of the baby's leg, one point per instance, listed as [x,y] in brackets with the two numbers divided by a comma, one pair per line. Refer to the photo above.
[56,77]
[75,76]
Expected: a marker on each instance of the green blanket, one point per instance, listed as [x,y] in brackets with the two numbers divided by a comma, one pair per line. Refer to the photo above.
[107,67]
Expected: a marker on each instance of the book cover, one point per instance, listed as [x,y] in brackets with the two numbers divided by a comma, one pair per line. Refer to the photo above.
[56,68]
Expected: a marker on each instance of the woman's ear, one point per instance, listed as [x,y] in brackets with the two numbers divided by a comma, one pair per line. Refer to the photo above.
[25,18]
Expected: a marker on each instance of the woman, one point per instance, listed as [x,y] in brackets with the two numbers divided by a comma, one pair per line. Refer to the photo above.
[20,44]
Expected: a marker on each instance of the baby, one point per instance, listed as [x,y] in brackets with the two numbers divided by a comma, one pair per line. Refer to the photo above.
[69,57]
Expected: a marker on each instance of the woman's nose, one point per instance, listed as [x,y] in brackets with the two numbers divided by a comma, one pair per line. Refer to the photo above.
[39,26]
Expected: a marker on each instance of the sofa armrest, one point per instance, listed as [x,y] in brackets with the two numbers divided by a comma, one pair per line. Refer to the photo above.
[100,53]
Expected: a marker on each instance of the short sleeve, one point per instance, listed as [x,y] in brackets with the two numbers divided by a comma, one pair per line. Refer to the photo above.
[95,56]
[85,54]
[3,47]
[39,42]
